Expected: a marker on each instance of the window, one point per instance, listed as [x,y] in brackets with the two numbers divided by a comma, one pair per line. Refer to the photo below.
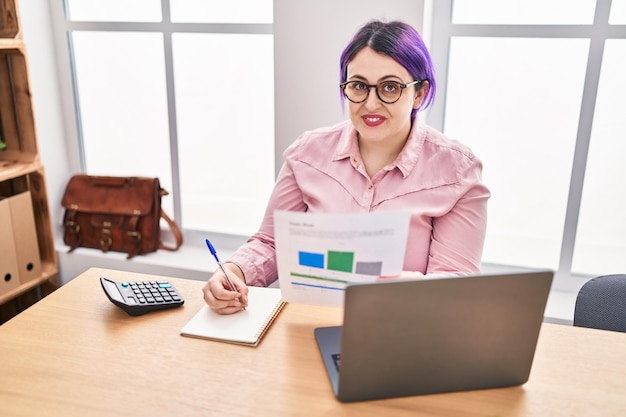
[181,90]
[535,89]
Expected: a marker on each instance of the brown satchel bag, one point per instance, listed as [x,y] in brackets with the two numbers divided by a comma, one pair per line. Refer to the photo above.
[120,214]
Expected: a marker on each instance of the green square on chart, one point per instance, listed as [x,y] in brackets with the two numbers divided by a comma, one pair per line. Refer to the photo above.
[340,261]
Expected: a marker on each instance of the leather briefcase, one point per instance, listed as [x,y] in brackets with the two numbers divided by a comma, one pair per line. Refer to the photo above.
[120,214]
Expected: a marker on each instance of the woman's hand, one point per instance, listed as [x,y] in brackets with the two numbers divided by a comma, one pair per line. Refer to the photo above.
[218,295]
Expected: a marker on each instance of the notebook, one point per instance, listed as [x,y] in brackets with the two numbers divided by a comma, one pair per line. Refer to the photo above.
[413,337]
[245,327]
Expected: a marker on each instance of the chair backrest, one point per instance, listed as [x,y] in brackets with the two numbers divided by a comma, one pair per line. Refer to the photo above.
[601,303]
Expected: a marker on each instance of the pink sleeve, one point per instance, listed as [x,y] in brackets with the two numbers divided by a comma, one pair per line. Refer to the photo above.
[458,236]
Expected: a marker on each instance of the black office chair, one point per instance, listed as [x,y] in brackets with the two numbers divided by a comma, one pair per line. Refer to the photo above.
[601,303]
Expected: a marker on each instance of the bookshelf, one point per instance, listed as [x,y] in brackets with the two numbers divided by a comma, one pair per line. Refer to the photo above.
[28,264]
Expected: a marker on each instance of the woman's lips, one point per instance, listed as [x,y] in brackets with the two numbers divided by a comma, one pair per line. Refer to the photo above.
[373,120]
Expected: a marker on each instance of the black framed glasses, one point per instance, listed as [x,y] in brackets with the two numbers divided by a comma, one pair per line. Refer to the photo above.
[387,91]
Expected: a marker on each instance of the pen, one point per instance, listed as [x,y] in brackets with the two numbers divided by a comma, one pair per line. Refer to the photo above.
[219,263]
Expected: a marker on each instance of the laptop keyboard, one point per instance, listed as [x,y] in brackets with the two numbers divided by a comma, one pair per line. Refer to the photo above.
[337,359]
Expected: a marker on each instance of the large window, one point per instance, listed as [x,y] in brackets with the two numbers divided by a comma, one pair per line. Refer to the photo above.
[535,88]
[182,90]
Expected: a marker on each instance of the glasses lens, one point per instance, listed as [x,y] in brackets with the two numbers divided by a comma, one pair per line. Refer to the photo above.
[356,91]
[389,91]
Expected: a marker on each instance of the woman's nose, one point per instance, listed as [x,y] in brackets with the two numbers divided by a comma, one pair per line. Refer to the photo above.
[372,100]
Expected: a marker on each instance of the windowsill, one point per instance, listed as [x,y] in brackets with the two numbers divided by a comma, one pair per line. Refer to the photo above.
[190,261]
[193,261]
[560,307]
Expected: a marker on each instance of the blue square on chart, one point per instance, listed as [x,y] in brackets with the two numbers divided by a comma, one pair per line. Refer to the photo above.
[315,260]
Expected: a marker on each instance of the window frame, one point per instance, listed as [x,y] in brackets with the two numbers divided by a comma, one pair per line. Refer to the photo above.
[443,29]
[64,27]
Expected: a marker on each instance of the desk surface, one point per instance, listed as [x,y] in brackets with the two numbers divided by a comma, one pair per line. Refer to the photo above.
[76,354]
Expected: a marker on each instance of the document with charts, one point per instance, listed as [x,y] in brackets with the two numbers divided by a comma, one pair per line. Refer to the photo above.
[318,255]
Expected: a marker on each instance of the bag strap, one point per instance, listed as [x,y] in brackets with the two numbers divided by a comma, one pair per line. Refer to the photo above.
[72,229]
[175,230]
[133,234]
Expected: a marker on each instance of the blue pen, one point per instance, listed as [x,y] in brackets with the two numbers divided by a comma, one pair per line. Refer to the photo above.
[219,263]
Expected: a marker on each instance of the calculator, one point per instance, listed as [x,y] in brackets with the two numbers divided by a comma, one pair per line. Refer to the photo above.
[140,297]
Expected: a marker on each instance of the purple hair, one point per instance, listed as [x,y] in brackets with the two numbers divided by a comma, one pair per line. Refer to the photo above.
[398,41]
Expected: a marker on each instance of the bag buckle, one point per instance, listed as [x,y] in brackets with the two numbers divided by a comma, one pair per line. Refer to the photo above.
[134,235]
[72,226]
[105,239]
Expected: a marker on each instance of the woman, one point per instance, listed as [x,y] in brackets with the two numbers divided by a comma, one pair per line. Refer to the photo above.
[382,158]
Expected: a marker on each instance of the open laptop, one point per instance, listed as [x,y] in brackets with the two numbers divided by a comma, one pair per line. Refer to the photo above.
[412,337]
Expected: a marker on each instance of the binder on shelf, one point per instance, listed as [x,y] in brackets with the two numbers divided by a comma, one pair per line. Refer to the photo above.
[9,275]
[18,122]
[25,237]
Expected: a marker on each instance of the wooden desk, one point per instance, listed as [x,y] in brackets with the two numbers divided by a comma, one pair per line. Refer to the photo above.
[76,354]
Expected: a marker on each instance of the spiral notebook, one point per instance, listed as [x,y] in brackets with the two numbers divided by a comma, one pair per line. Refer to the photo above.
[244,328]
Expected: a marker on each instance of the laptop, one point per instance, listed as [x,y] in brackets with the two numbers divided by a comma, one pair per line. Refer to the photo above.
[412,337]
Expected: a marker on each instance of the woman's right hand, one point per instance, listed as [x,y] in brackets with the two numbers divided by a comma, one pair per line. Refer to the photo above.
[218,295]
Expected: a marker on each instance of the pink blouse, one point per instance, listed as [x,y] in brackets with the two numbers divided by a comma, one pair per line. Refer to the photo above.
[437,179]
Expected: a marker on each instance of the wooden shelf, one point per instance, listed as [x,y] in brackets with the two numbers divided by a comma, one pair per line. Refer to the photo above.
[12,169]
[22,178]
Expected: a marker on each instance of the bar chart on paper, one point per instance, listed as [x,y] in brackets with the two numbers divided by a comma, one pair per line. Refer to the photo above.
[339,267]
[319,255]
[340,261]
